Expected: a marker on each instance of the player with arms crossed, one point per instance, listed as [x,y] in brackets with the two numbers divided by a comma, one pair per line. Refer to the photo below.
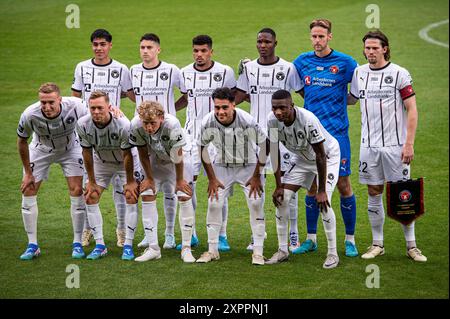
[155,80]
[200,79]
[316,157]
[106,150]
[168,165]
[326,74]
[52,122]
[236,135]
[107,75]
[259,79]
[388,128]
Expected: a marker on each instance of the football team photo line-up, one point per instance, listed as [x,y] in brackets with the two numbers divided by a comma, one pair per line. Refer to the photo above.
[307,147]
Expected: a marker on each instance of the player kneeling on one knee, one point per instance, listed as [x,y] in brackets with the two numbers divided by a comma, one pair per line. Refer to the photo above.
[168,165]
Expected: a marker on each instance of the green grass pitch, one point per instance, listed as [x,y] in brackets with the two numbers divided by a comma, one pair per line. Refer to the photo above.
[37,47]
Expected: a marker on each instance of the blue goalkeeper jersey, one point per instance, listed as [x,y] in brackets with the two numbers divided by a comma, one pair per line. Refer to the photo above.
[326,85]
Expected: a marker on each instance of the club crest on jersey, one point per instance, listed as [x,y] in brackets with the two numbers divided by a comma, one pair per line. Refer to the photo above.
[217,77]
[334,69]
[165,138]
[389,79]
[300,135]
[405,196]
[280,76]
[115,74]
[164,76]
[70,120]
[307,80]
[114,136]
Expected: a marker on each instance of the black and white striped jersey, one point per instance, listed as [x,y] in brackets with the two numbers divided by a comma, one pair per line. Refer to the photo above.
[169,138]
[52,135]
[381,93]
[260,81]
[236,143]
[156,84]
[112,78]
[300,135]
[109,141]
[199,86]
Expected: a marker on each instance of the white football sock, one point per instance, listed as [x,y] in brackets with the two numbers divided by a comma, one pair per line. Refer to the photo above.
[350,238]
[194,205]
[78,214]
[281,216]
[329,224]
[313,237]
[150,222]
[293,214]
[186,221]
[120,202]
[96,222]
[257,223]
[223,229]
[410,236]
[214,222]
[170,212]
[131,221]
[30,216]
[376,217]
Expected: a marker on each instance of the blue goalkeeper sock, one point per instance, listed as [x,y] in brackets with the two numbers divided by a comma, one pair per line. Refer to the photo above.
[312,214]
[348,210]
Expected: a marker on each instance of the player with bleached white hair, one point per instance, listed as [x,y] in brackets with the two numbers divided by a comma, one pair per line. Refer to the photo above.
[316,155]
[167,165]
[156,80]
[107,153]
[51,122]
[236,136]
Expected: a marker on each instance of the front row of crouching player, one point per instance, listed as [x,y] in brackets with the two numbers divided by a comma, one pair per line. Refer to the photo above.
[109,141]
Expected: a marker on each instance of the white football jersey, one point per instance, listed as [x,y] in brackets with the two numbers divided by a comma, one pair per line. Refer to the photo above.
[56,134]
[109,141]
[236,143]
[169,136]
[199,86]
[112,78]
[156,84]
[260,81]
[299,136]
[381,93]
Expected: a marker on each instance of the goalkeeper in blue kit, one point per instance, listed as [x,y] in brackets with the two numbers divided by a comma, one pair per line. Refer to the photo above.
[326,74]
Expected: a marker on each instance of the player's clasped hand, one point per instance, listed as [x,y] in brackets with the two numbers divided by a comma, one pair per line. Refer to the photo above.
[183,186]
[255,186]
[322,201]
[27,183]
[93,191]
[278,196]
[131,190]
[213,188]
[147,184]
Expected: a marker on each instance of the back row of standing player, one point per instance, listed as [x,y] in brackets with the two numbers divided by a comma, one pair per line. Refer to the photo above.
[321,77]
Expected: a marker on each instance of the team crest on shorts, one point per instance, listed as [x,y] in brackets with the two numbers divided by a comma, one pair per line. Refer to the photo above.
[286,156]
[70,120]
[80,161]
[115,74]
[164,76]
[217,77]
[300,135]
[334,69]
[405,172]
[389,79]
[331,176]
[280,76]
[114,136]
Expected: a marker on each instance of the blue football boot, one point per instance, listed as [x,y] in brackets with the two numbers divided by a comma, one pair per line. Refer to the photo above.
[128,253]
[98,252]
[306,247]
[223,244]
[350,249]
[31,252]
[77,251]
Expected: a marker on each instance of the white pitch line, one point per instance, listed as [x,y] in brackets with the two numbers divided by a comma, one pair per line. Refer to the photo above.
[423,34]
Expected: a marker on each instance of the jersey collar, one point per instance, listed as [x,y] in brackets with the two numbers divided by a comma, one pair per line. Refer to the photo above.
[378,69]
[212,64]
[155,67]
[276,61]
[92,60]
